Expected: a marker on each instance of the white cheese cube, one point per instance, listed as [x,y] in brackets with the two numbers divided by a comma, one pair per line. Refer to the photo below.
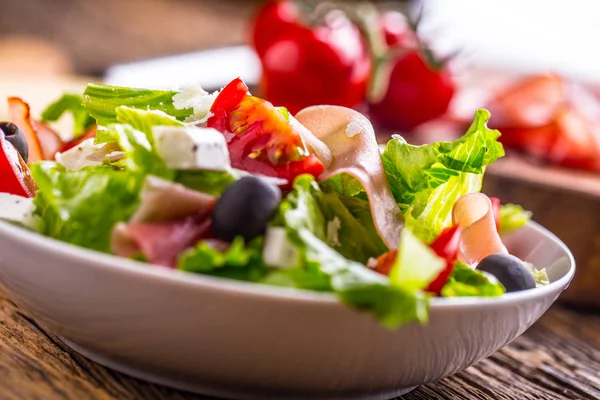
[192,148]
[17,209]
[76,157]
[278,251]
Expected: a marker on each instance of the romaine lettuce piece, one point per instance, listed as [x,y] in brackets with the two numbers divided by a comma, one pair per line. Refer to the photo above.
[145,120]
[344,223]
[81,207]
[513,217]
[140,156]
[237,262]
[209,182]
[71,103]
[323,268]
[465,281]
[101,102]
[426,180]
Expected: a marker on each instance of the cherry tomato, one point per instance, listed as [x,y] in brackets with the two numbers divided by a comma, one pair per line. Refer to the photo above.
[445,246]
[15,177]
[271,21]
[308,65]
[397,30]
[259,137]
[416,93]
[385,262]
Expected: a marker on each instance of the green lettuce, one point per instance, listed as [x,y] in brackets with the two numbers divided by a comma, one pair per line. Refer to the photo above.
[465,281]
[145,120]
[302,215]
[140,156]
[513,217]
[237,262]
[71,103]
[426,180]
[343,222]
[209,182]
[101,102]
[81,207]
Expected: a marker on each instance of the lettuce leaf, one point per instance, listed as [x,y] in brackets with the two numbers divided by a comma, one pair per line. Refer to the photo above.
[71,103]
[209,182]
[427,180]
[237,262]
[324,268]
[101,102]
[81,207]
[145,120]
[140,156]
[513,217]
[347,229]
[465,281]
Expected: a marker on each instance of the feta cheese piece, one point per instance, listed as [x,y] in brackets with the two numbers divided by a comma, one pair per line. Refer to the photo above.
[278,251]
[198,99]
[192,148]
[76,157]
[354,128]
[18,210]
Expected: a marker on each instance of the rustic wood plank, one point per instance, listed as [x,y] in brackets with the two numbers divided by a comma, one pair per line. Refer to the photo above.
[557,359]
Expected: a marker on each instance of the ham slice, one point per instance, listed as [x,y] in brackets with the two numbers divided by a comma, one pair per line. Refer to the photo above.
[350,137]
[474,213]
[163,201]
[169,220]
[43,142]
[160,243]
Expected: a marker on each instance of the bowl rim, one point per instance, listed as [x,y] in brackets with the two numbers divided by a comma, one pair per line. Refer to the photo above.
[96,259]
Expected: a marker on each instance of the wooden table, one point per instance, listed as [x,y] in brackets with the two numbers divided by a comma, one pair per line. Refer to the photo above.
[558,358]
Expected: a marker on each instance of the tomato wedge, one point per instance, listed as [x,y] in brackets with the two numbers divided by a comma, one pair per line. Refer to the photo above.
[259,136]
[43,142]
[15,177]
[446,246]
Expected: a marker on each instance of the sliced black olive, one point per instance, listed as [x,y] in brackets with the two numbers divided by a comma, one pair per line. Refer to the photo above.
[245,208]
[509,270]
[16,137]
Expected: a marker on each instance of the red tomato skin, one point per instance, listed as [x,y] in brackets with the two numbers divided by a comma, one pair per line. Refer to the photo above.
[327,64]
[446,246]
[271,21]
[416,94]
[253,125]
[15,177]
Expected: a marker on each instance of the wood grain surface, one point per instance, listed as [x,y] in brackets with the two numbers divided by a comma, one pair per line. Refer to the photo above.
[558,358]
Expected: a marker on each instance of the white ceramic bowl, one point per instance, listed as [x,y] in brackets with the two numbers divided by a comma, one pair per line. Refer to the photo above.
[247,341]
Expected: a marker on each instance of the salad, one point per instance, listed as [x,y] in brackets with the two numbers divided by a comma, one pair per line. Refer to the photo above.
[228,185]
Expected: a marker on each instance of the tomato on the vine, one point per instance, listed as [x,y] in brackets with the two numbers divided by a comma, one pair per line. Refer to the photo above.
[259,136]
[306,64]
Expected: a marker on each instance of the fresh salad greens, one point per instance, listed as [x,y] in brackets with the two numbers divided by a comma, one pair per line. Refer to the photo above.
[312,234]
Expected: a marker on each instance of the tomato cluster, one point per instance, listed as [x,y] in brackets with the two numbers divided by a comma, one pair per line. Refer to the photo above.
[336,54]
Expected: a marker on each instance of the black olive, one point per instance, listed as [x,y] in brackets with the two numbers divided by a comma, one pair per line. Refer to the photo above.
[15,136]
[245,208]
[509,270]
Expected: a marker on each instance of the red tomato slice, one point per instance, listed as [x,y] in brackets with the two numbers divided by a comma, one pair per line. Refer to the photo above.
[445,246]
[259,137]
[15,177]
